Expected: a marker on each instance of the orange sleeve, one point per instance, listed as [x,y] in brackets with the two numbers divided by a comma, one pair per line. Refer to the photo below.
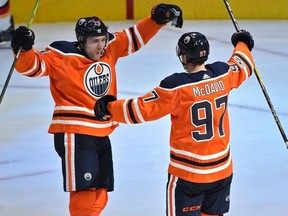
[242,49]
[34,63]
[27,61]
[241,64]
[132,39]
[151,106]
[148,28]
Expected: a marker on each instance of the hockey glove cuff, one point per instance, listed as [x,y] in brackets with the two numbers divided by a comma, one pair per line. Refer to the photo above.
[22,37]
[100,107]
[164,13]
[243,36]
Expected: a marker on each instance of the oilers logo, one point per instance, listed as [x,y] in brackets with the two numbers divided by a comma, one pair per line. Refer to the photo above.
[97,79]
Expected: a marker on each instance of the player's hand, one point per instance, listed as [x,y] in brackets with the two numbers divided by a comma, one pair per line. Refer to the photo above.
[22,37]
[164,13]
[100,107]
[243,36]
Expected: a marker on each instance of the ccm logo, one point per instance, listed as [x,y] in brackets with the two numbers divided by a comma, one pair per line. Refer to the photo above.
[191,208]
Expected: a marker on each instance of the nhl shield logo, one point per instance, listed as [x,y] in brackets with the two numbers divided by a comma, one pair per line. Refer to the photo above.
[97,79]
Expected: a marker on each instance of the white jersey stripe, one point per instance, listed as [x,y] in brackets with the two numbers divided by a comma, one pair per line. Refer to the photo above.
[33,68]
[130,41]
[69,142]
[125,112]
[83,123]
[201,157]
[74,108]
[138,36]
[171,196]
[138,110]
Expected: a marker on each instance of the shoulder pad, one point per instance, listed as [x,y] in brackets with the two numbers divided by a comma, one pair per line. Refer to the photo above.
[111,36]
[218,68]
[174,80]
[65,46]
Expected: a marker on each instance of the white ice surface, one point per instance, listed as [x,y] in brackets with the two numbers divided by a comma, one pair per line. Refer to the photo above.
[30,169]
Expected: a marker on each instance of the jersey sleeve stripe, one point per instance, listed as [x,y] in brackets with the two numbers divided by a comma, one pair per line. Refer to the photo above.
[36,72]
[131,113]
[37,69]
[139,115]
[43,69]
[32,69]
[246,60]
[125,112]
[134,39]
[130,41]
[240,63]
[138,36]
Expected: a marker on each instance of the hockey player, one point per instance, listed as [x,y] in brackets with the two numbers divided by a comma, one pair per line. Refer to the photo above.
[80,72]
[6,24]
[200,168]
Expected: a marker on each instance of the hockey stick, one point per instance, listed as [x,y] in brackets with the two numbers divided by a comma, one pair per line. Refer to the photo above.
[259,79]
[18,53]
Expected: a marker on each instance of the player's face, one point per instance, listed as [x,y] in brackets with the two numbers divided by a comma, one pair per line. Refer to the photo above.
[94,47]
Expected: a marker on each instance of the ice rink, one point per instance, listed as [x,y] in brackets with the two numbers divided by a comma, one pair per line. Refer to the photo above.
[30,169]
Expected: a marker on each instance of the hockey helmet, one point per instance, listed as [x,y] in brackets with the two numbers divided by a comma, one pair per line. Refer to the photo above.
[195,46]
[90,26]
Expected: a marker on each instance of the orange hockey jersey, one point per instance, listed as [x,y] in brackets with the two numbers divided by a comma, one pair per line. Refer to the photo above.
[76,81]
[198,106]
